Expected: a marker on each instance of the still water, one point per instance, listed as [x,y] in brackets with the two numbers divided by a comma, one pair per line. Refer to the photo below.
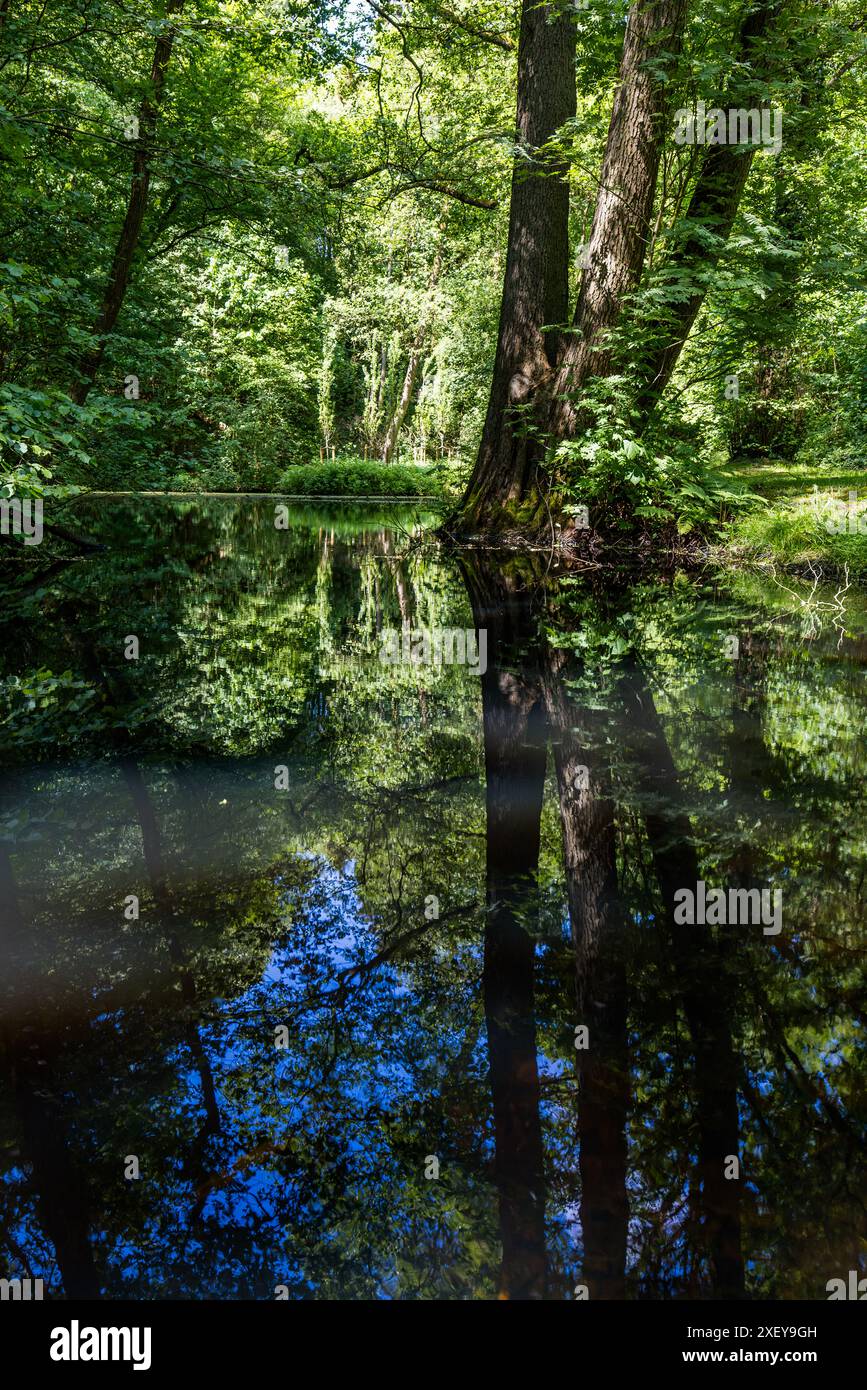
[329,976]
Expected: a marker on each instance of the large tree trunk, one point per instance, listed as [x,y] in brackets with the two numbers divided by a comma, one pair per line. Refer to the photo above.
[713,207]
[536,283]
[130,232]
[535,394]
[627,186]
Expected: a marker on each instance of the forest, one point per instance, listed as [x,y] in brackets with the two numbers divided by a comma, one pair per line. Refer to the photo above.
[433,829]
[533,259]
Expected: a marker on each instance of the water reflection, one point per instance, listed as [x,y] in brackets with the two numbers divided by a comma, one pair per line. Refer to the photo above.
[451,944]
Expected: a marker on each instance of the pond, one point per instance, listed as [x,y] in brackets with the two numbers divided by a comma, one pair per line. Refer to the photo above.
[380,923]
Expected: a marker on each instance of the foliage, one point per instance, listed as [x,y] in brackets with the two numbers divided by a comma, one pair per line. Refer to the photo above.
[357,478]
[323,249]
[630,482]
[304,908]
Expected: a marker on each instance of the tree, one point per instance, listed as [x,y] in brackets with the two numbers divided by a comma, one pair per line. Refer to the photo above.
[535,403]
[143,135]
[535,297]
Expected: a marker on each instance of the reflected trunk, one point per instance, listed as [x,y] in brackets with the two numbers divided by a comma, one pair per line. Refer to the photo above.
[514,731]
[153,854]
[704,991]
[598,924]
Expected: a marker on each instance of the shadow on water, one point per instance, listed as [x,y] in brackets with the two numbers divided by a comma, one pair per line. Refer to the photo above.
[327,975]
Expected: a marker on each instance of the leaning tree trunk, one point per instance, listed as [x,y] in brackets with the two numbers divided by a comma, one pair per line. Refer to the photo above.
[130,232]
[713,207]
[536,284]
[705,987]
[624,205]
[598,922]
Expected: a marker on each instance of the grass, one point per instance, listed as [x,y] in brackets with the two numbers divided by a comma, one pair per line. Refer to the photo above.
[806,521]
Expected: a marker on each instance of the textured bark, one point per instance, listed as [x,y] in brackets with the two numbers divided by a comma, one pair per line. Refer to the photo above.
[130,232]
[536,283]
[713,207]
[621,222]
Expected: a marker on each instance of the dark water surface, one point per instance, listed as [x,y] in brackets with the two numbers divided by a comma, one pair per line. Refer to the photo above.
[343,1040]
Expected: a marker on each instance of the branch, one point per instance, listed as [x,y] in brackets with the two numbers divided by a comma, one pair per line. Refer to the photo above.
[475,30]
[449,191]
[434,185]
[223,216]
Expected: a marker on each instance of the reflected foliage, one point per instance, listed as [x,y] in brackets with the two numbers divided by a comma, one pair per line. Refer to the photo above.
[325,987]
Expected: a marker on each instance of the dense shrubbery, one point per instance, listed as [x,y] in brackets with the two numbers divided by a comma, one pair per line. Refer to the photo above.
[313,272]
[359,478]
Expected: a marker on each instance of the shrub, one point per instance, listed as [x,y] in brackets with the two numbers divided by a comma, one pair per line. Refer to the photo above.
[359,478]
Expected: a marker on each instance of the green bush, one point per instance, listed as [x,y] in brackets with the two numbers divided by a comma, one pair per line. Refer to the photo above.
[359,478]
[632,483]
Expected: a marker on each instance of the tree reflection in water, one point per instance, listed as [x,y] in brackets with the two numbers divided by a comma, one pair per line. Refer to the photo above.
[607,757]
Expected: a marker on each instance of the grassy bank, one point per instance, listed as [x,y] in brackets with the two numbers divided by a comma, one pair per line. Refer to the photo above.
[808,518]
